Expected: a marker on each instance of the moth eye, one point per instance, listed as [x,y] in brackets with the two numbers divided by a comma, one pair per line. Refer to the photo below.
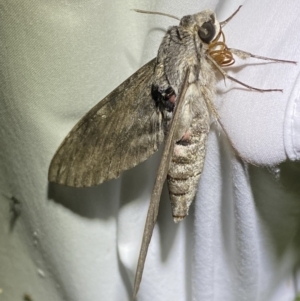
[207,32]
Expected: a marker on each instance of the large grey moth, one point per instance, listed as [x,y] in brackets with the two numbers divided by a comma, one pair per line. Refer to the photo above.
[169,99]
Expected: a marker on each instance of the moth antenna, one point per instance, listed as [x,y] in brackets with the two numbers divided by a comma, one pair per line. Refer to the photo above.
[154,13]
[223,23]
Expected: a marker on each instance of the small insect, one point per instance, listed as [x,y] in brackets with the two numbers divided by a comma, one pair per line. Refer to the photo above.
[169,99]
[15,209]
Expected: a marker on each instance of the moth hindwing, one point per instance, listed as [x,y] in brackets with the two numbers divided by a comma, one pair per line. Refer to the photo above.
[171,96]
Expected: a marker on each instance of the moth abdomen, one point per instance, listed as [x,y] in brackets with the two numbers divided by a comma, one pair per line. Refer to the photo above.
[183,180]
[182,193]
[187,164]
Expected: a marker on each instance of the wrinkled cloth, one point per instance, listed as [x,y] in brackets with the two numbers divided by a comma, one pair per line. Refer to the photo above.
[241,239]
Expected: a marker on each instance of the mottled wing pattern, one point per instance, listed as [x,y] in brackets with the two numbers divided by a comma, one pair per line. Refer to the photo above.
[122,130]
[159,182]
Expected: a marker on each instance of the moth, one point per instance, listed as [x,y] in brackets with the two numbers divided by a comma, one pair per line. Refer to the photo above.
[169,99]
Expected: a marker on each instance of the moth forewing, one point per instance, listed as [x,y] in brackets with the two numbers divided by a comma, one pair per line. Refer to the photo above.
[119,132]
[159,182]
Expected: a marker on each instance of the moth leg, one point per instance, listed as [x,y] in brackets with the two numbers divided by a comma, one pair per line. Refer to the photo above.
[159,182]
[245,55]
[213,110]
[237,81]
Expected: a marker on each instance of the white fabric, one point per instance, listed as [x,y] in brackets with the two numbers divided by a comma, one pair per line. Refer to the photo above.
[241,239]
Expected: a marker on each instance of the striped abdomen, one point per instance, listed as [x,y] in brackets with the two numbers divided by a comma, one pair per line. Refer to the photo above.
[187,164]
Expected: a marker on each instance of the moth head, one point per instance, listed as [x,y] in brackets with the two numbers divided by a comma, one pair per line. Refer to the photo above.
[204,24]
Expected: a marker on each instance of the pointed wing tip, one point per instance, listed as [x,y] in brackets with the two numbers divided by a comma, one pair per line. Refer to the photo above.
[135,291]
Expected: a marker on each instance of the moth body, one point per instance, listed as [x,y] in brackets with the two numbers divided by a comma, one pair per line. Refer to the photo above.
[180,49]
